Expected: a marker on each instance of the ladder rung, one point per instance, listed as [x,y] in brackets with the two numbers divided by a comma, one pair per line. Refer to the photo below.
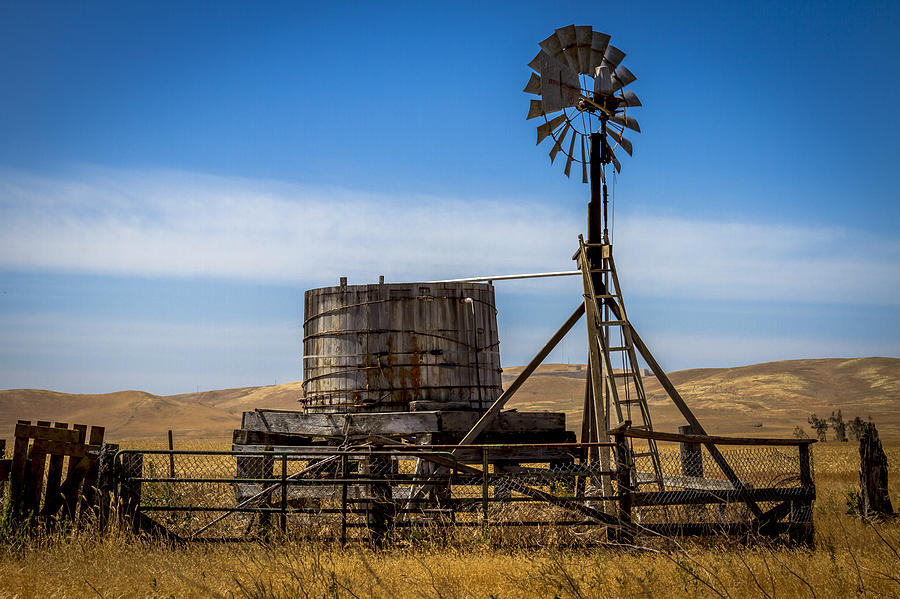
[631,401]
[606,296]
[645,454]
[621,348]
[622,375]
[613,323]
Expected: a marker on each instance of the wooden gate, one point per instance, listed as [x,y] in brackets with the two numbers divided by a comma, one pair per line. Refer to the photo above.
[54,472]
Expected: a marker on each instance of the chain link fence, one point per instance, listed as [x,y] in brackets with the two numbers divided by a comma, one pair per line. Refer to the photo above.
[369,492]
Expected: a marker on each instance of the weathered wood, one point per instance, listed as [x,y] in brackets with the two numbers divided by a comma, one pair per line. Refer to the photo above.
[874,499]
[708,439]
[244,437]
[624,533]
[691,454]
[376,348]
[106,482]
[71,487]
[34,479]
[46,433]
[88,496]
[54,479]
[17,474]
[390,423]
[340,425]
[132,467]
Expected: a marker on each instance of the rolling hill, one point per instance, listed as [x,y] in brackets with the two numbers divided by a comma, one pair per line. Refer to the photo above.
[759,400]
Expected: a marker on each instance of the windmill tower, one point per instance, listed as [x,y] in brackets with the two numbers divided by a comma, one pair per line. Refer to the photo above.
[585,109]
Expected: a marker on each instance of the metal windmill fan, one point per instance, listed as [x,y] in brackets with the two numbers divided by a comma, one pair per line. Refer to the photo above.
[577,74]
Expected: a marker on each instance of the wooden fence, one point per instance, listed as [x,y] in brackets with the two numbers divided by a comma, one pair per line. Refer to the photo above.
[58,473]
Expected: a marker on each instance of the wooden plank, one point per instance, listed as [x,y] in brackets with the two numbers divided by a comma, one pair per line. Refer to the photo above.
[34,478]
[245,437]
[340,425]
[106,481]
[5,469]
[707,439]
[88,496]
[47,433]
[505,422]
[52,500]
[71,487]
[17,474]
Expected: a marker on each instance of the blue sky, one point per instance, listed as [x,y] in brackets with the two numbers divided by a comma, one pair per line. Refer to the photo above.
[174,175]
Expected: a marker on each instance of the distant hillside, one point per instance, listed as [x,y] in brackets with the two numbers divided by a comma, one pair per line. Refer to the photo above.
[760,400]
[736,401]
[140,415]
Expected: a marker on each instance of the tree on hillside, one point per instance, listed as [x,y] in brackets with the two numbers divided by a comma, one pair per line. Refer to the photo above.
[799,433]
[838,426]
[820,425]
[857,426]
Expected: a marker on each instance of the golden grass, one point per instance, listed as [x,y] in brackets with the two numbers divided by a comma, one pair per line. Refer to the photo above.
[851,558]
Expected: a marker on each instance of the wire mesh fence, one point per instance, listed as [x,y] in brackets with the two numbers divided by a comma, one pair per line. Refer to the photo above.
[366,491]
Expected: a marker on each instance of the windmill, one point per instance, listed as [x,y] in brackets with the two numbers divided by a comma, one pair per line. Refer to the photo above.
[585,109]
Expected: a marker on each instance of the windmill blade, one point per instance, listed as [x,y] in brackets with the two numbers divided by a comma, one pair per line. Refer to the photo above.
[621,140]
[535,63]
[569,158]
[621,78]
[599,42]
[613,57]
[630,98]
[602,82]
[534,85]
[584,177]
[583,42]
[625,121]
[552,47]
[559,85]
[535,109]
[559,142]
[615,161]
[566,36]
[544,130]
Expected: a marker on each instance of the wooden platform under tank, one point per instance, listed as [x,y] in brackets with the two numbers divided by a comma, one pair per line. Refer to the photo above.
[279,429]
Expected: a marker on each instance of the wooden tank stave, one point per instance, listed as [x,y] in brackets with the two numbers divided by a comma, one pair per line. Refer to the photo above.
[382,347]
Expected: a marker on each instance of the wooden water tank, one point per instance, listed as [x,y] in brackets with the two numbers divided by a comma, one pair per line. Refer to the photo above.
[397,347]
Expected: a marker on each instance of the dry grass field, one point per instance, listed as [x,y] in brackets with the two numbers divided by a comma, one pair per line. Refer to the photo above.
[851,559]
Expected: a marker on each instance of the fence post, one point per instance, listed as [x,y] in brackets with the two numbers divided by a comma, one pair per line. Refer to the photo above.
[345,472]
[485,465]
[171,455]
[625,534]
[106,482]
[691,454]
[283,522]
[802,529]
[129,489]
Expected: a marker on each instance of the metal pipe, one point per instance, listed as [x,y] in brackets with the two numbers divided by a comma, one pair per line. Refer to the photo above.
[534,275]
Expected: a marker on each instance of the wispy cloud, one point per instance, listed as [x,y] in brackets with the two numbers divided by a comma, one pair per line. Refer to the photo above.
[179,224]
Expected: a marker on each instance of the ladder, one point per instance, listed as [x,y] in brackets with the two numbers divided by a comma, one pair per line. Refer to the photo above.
[610,341]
